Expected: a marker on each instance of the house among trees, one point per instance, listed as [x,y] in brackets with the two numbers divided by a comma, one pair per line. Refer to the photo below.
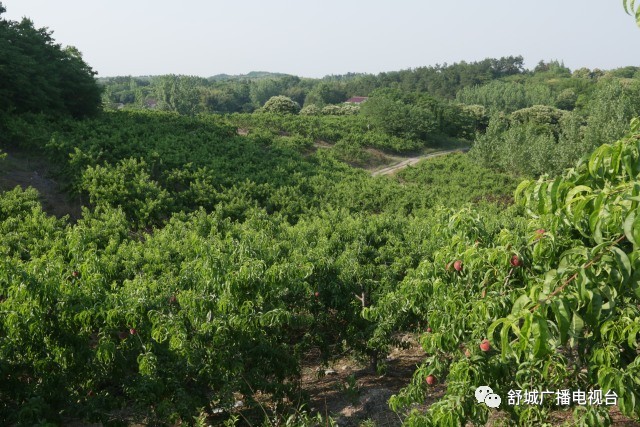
[356,100]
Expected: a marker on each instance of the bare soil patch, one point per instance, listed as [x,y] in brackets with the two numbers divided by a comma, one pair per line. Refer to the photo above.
[352,393]
[28,170]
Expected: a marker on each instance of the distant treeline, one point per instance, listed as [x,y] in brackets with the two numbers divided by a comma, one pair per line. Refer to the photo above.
[246,93]
[234,94]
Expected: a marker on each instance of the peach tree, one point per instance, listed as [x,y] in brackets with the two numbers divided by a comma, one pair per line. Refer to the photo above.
[555,294]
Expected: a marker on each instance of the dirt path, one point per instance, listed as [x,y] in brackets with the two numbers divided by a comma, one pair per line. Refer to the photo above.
[413,160]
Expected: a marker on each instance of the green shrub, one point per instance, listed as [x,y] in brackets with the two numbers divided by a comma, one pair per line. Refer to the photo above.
[281,105]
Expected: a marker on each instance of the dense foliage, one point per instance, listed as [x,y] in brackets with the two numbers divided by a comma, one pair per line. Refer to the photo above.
[231,253]
[239,262]
[539,139]
[490,101]
[247,93]
[215,252]
[38,75]
[555,294]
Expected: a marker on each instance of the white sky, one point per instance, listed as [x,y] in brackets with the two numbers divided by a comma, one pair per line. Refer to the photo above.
[313,38]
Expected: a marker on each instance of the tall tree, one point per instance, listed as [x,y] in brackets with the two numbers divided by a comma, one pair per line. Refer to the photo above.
[38,75]
[179,93]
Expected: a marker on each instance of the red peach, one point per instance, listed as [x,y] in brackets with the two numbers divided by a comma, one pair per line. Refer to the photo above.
[515,261]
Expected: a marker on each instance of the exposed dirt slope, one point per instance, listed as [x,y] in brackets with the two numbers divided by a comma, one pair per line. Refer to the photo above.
[26,170]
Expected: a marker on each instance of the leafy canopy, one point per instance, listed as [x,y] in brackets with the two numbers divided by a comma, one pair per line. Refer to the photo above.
[38,75]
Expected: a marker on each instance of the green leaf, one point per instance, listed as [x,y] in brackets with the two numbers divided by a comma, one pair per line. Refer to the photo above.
[525,331]
[553,192]
[585,294]
[635,283]
[520,189]
[631,336]
[160,334]
[577,325]
[595,223]
[492,328]
[541,336]
[623,263]
[629,230]
[629,165]
[596,306]
[520,304]
[625,4]
[505,345]
[542,198]
[562,311]
[615,159]
[575,191]
[596,160]
[636,230]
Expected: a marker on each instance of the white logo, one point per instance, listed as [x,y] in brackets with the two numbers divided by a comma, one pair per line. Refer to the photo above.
[485,394]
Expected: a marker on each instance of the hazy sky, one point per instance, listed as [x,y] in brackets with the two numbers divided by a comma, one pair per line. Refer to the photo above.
[314,38]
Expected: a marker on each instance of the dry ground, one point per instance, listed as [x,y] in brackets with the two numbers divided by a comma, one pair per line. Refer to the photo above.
[28,170]
[330,393]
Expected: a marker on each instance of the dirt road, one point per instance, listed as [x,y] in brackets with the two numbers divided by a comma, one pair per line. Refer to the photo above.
[413,160]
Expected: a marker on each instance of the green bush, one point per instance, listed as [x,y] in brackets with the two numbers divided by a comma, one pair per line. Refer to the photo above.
[310,110]
[340,110]
[281,105]
[127,185]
